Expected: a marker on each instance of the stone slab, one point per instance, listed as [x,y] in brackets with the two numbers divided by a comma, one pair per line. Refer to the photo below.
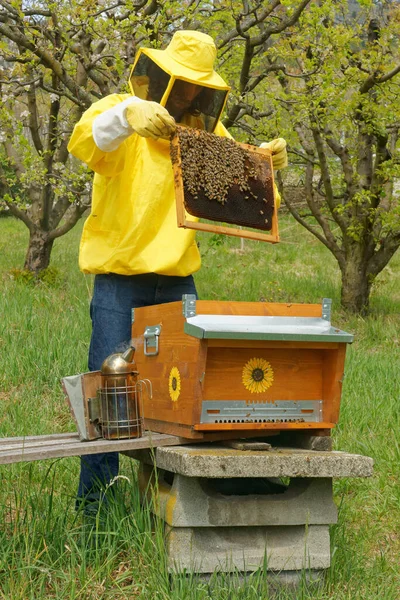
[198,502]
[204,550]
[216,461]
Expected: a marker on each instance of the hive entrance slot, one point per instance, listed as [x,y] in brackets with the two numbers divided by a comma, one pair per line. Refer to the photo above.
[259,421]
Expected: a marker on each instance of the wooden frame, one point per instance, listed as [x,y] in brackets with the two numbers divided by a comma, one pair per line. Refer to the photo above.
[182,214]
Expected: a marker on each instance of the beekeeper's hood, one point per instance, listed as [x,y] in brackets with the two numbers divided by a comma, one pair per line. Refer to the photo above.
[158,75]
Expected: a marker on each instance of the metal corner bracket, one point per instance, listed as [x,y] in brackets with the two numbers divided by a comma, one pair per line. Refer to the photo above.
[189,305]
[326,309]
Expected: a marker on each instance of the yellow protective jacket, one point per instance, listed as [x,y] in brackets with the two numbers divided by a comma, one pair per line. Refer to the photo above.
[132,227]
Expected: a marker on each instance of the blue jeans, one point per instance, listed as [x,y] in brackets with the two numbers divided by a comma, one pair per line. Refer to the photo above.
[113,298]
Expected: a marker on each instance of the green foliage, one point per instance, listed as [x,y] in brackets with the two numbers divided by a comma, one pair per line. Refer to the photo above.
[324,75]
[50,276]
[336,103]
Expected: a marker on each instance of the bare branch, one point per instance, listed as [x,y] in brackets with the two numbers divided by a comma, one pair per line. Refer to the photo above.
[48,61]
[249,23]
[343,154]
[71,217]
[33,119]
[295,213]
[389,75]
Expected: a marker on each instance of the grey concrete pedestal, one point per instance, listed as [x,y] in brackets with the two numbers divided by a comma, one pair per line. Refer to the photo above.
[228,509]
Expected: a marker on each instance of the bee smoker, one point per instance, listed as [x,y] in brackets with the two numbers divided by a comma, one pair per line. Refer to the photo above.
[119,397]
[108,403]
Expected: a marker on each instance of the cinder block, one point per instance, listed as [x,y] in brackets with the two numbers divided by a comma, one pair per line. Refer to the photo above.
[204,550]
[199,502]
[219,517]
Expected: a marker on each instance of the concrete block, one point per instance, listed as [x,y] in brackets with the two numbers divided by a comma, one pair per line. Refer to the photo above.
[199,502]
[204,550]
[219,517]
[295,439]
[211,461]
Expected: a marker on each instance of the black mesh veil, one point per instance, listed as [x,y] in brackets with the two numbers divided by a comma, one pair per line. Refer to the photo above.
[150,82]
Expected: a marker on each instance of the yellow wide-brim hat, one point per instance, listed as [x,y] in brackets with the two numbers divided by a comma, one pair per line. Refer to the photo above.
[190,55]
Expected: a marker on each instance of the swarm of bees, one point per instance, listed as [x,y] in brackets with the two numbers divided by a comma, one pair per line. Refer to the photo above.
[223,180]
[213,164]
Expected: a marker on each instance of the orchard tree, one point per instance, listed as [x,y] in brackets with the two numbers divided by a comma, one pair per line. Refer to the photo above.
[44,83]
[324,75]
[56,58]
[36,181]
[336,100]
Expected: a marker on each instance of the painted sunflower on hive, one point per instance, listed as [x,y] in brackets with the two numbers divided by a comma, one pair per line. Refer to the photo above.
[257,375]
[174,384]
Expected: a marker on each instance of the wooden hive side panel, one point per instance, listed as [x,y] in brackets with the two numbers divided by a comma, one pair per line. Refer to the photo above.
[290,374]
[333,373]
[185,354]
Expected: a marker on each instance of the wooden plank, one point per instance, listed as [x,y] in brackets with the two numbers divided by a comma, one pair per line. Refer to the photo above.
[214,435]
[179,192]
[28,438]
[24,445]
[269,309]
[239,427]
[224,230]
[169,427]
[162,313]
[73,447]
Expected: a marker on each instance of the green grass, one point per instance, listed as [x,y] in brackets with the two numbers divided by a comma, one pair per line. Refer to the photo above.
[47,551]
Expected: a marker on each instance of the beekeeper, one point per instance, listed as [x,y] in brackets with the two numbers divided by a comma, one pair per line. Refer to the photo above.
[130,240]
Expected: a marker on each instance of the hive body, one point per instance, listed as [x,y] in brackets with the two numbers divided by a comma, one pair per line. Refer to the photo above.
[222,370]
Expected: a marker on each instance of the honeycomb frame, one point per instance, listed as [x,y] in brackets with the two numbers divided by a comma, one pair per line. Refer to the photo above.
[187,220]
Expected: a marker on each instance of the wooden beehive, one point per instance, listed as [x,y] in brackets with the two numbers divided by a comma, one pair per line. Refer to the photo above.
[221,180]
[242,366]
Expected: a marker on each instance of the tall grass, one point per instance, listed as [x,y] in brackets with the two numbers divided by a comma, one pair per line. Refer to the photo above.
[48,551]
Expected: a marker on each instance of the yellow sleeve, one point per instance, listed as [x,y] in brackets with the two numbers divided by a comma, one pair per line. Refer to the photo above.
[82,144]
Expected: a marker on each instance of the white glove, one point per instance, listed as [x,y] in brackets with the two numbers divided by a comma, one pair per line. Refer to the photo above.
[150,119]
[278,151]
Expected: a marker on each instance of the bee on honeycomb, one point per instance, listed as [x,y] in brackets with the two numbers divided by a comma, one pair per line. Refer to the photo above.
[223,180]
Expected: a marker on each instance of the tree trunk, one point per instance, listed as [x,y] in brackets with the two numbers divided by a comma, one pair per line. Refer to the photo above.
[356,284]
[39,251]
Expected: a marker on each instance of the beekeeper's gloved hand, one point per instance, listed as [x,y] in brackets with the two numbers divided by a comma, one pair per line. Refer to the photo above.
[278,151]
[150,119]
[277,196]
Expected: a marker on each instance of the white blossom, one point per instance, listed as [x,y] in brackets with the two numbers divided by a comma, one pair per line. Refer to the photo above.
[25,113]
[53,98]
